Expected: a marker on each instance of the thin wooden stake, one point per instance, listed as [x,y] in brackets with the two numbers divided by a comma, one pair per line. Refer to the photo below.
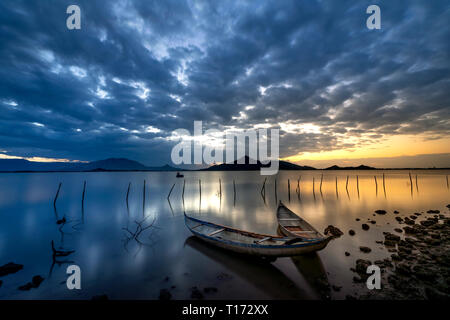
[384,186]
[57,194]
[337,194]
[321,179]
[346,184]
[84,192]
[410,183]
[128,192]
[234,189]
[143,199]
[313,185]
[184,185]
[417,185]
[357,184]
[275,189]
[376,185]
[168,196]
[313,189]
[289,190]
[263,188]
[447,180]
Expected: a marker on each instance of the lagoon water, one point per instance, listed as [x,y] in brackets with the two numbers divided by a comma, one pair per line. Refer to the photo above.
[166,256]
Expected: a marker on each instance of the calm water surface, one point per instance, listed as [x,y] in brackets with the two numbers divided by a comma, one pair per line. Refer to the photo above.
[166,255]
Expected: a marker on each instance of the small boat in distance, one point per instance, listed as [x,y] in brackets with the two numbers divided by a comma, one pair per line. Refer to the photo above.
[255,244]
[179,175]
[291,225]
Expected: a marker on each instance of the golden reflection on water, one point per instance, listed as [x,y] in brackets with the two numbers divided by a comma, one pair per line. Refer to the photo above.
[316,195]
[321,197]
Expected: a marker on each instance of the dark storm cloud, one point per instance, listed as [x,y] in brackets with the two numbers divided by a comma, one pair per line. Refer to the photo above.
[137,70]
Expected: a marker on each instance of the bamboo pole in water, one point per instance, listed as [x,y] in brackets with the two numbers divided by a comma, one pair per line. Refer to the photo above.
[337,194]
[84,192]
[170,192]
[57,194]
[128,192]
[447,180]
[234,190]
[313,184]
[220,188]
[321,179]
[376,185]
[346,184]
[143,199]
[410,182]
[384,186]
[357,184]
[275,189]
[263,189]
[417,184]
[184,185]
[200,188]
[289,190]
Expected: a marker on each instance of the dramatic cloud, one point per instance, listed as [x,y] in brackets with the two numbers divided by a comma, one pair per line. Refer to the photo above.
[138,70]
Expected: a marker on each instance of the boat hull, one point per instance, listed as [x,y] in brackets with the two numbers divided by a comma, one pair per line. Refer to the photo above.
[261,250]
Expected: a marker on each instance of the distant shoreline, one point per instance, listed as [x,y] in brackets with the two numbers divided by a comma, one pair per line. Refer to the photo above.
[206,170]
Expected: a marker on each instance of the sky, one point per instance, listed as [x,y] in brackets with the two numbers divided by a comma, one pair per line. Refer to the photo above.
[139,70]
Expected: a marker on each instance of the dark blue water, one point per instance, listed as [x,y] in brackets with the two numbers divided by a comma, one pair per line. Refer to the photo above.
[165,256]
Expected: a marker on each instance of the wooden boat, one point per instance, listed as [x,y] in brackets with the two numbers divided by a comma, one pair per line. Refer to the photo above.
[179,175]
[291,225]
[256,244]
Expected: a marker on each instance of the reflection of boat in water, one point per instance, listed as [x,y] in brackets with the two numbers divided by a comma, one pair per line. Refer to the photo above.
[291,225]
[312,269]
[264,276]
[250,243]
[179,175]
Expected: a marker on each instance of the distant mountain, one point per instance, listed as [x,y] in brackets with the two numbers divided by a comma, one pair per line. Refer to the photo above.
[247,166]
[361,167]
[112,164]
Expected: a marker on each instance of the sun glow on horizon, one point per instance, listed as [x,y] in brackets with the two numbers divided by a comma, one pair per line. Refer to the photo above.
[390,147]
